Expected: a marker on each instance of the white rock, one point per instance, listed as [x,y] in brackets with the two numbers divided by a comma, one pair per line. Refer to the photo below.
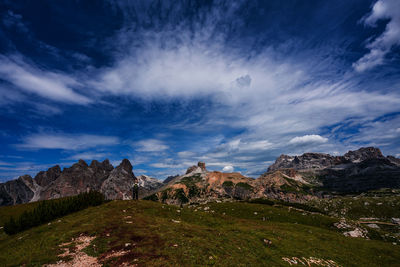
[355,233]
[373,225]
[396,220]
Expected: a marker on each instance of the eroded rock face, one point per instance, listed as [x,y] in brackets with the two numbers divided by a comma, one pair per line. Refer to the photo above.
[44,178]
[120,182]
[16,191]
[79,178]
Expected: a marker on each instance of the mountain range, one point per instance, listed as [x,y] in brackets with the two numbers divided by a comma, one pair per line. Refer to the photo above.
[290,178]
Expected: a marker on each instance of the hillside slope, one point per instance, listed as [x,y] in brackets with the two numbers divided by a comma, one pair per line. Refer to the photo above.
[154,234]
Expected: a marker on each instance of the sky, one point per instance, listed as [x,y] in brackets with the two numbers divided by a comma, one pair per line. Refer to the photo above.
[169,83]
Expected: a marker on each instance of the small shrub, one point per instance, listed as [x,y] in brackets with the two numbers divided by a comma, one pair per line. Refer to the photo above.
[164,195]
[194,191]
[228,184]
[152,197]
[244,185]
[180,195]
[262,201]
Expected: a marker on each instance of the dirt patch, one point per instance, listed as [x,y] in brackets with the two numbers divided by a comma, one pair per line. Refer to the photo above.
[79,258]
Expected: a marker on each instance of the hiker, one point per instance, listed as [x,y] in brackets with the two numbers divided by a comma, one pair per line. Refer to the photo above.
[135,191]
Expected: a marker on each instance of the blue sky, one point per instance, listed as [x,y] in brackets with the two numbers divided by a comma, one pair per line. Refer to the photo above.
[169,83]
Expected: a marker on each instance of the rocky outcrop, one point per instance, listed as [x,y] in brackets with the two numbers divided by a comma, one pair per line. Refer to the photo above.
[201,167]
[119,183]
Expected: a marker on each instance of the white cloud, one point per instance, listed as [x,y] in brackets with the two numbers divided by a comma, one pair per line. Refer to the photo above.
[51,85]
[89,156]
[66,141]
[186,154]
[150,145]
[382,45]
[308,139]
[228,168]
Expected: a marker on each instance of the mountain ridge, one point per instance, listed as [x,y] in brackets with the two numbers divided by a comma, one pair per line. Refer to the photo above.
[290,178]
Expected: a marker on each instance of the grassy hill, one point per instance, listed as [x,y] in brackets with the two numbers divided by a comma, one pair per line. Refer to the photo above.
[148,233]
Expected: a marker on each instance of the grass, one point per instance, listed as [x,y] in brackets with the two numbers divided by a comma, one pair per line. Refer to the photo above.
[15,211]
[384,207]
[245,186]
[220,234]
[190,181]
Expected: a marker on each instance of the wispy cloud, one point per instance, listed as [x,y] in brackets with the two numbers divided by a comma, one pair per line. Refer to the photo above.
[381,45]
[150,145]
[66,141]
[89,156]
[47,84]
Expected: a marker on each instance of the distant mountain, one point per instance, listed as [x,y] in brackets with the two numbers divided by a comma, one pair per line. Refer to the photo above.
[169,178]
[356,171]
[290,178]
[148,184]
[114,183]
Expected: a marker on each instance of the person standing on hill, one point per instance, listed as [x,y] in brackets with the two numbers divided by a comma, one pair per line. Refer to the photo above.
[135,191]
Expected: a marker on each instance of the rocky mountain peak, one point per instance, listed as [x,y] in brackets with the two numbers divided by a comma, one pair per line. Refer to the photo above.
[119,183]
[81,162]
[363,154]
[202,165]
[44,178]
[94,164]
[126,165]
[305,161]
[105,165]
